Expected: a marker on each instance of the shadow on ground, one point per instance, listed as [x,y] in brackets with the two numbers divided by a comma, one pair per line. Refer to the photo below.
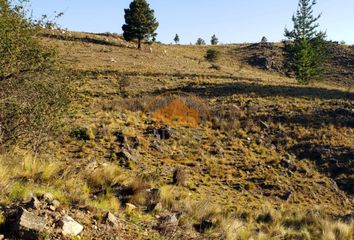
[242,85]
[228,89]
[85,39]
[335,161]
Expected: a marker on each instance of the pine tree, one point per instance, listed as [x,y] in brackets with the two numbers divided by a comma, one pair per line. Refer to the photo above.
[214,40]
[264,39]
[140,22]
[200,41]
[176,39]
[305,51]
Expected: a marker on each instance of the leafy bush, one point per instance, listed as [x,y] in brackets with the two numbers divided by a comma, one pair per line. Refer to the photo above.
[80,133]
[200,42]
[32,98]
[20,51]
[212,55]
[214,40]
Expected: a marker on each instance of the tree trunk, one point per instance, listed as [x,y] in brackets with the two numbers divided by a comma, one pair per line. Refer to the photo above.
[139,44]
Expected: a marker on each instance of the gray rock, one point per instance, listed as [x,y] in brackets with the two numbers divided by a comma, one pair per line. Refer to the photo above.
[70,227]
[48,197]
[158,207]
[34,203]
[111,219]
[55,205]
[130,207]
[125,158]
[31,221]
[169,219]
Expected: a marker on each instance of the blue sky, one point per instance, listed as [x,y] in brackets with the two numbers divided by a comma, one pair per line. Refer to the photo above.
[233,21]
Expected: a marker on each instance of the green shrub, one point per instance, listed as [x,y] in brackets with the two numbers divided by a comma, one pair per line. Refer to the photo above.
[20,51]
[80,133]
[212,55]
[34,92]
[200,42]
[306,51]
[214,40]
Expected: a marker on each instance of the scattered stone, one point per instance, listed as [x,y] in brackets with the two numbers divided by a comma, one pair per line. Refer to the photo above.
[31,221]
[158,207]
[164,132]
[130,207]
[288,165]
[169,219]
[110,218]
[70,227]
[34,203]
[48,197]
[54,205]
[125,158]
[167,224]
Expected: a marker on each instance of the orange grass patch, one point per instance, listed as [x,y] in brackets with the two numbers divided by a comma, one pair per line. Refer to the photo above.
[177,113]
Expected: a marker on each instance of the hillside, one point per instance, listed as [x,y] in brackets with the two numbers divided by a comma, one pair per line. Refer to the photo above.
[175,149]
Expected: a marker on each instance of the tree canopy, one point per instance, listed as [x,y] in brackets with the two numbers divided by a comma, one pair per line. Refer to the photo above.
[176,39]
[200,41]
[305,49]
[214,40]
[140,22]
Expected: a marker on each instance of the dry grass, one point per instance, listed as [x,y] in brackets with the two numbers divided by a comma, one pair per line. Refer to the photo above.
[105,176]
[106,202]
[4,176]
[248,161]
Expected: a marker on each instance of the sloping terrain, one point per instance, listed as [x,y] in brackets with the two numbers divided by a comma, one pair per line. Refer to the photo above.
[201,153]
[269,56]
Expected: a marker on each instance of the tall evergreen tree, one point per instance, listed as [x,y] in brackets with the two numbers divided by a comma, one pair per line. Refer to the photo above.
[305,51]
[264,39]
[176,39]
[140,22]
[214,40]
